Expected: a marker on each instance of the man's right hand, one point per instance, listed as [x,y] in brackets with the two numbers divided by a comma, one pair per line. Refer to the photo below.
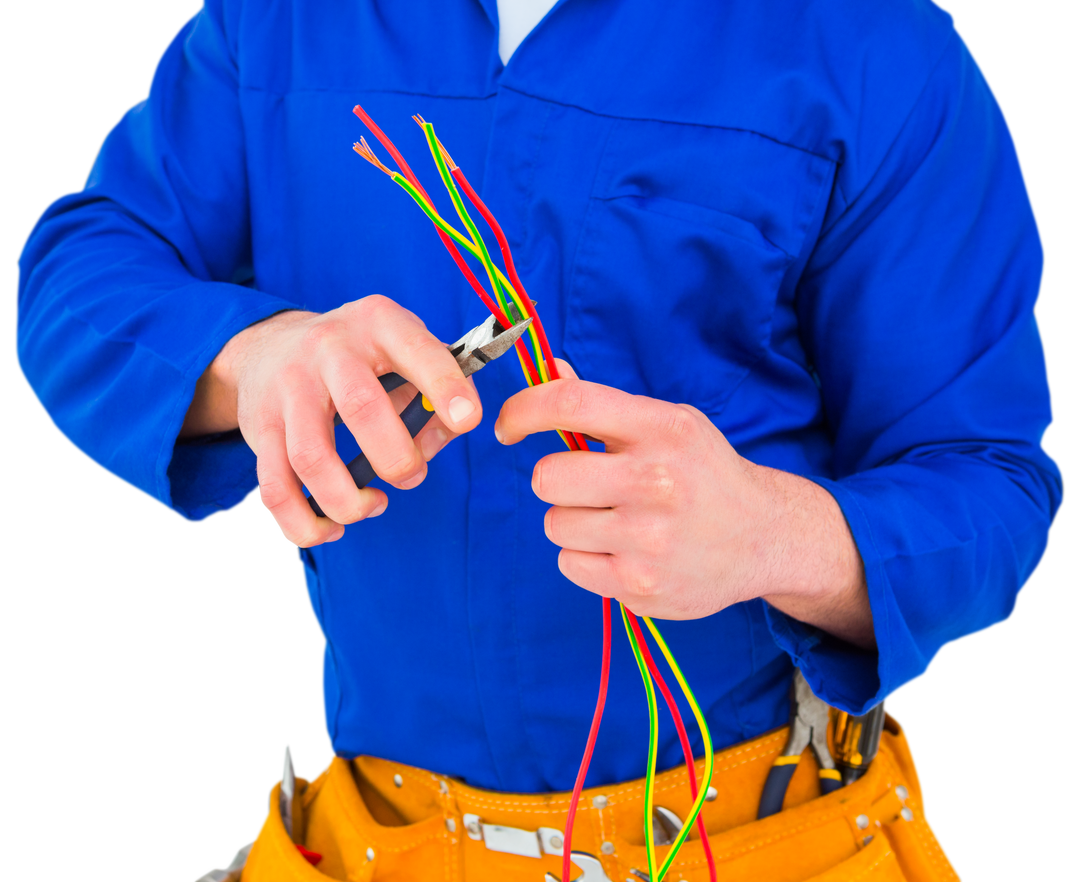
[282,380]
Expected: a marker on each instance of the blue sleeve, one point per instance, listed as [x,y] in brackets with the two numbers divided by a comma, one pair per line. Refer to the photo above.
[916,310]
[129,289]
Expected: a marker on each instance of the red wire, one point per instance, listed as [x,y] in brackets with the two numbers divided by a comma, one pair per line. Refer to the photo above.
[576,440]
[688,755]
[470,276]
[601,698]
[515,280]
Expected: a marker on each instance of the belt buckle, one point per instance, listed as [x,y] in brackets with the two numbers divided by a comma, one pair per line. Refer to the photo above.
[534,844]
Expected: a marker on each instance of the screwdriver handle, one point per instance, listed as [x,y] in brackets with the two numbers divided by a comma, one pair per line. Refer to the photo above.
[415,417]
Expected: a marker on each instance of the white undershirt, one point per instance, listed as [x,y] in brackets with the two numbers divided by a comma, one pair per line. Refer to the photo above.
[516,19]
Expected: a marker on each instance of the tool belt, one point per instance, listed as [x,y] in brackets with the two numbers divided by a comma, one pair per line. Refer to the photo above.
[371,819]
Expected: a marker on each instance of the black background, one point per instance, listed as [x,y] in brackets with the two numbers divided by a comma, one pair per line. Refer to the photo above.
[154,668]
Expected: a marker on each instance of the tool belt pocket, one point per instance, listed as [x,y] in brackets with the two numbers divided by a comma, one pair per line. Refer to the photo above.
[871,829]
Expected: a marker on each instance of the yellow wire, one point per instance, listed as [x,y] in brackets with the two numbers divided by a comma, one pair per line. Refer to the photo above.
[480,249]
[705,737]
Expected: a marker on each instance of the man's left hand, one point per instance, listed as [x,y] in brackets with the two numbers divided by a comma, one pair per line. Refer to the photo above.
[671,521]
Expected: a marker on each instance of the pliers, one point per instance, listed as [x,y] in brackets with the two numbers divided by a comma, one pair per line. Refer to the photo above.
[809,724]
[484,343]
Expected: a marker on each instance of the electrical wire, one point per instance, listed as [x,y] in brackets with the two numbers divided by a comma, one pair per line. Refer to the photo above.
[590,744]
[470,277]
[511,269]
[684,741]
[650,769]
[447,167]
[478,240]
[544,371]
[418,196]
[706,738]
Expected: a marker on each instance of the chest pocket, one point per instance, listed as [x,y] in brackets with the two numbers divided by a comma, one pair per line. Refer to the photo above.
[689,235]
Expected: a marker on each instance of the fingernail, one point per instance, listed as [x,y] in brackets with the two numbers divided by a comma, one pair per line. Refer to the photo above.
[414,481]
[433,442]
[379,510]
[499,434]
[461,408]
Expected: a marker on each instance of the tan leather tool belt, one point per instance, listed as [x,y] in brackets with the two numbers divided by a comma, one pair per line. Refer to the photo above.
[371,819]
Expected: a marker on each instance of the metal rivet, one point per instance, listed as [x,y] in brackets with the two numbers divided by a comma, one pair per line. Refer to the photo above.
[371,854]
[901,792]
[862,822]
[710,794]
[443,789]
[599,802]
[473,829]
[451,824]
[555,842]
[398,781]
[607,848]
[907,814]
[867,840]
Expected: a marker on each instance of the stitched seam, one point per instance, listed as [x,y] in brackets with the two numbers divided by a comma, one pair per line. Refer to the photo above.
[673,776]
[812,821]
[671,122]
[868,870]
[408,844]
[791,257]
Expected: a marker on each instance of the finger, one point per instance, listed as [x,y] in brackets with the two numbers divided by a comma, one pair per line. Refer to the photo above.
[604,574]
[281,494]
[309,444]
[615,417]
[566,370]
[594,530]
[591,571]
[434,436]
[416,354]
[587,479]
[369,414]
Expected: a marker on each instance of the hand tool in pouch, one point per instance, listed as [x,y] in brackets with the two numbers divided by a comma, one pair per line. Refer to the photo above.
[809,728]
[855,741]
[484,343]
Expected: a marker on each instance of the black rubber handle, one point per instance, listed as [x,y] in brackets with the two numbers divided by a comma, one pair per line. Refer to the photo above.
[776,785]
[415,417]
[830,782]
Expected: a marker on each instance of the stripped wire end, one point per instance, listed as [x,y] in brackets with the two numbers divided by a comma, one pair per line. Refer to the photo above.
[364,149]
[447,158]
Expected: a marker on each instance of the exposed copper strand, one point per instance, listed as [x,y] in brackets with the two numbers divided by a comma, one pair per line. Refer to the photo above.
[364,149]
[450,164]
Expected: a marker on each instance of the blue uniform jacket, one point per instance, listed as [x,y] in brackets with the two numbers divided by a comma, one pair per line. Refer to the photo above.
[804,218]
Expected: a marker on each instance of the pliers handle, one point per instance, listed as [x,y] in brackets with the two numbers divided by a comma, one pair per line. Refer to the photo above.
[809,724]
[415,416]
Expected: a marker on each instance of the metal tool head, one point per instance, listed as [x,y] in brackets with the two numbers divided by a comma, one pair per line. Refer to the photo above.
[809,722]
[486,342]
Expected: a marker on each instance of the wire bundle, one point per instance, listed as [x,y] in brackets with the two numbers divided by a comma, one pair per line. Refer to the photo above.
[511,304]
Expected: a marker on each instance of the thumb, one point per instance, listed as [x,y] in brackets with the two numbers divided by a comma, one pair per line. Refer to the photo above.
[566,372]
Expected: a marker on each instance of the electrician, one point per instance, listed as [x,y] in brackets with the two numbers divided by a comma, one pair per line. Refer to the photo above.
[787,248]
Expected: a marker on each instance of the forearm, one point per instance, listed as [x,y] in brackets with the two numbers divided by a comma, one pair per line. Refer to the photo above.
[810,566]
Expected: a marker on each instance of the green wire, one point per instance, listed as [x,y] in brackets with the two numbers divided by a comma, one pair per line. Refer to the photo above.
[706,737]
[478,240]
[654,733]
[459,207]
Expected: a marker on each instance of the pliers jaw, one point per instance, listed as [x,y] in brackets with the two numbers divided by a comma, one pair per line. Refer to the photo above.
[486,342]
[809,723]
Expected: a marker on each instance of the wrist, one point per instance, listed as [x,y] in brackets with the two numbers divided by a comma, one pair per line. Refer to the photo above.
[214,404]
[812,569]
